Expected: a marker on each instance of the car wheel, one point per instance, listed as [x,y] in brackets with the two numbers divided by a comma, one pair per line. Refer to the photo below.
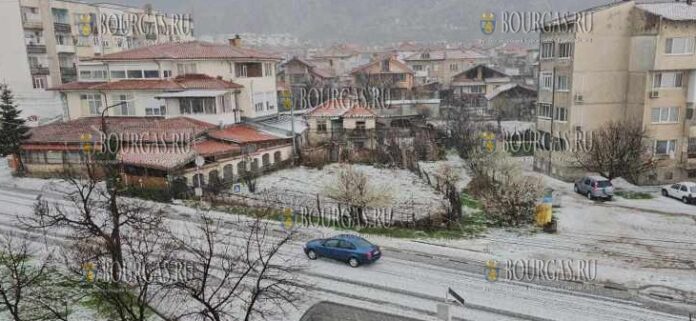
[589,196]
[685,200]
[664,192]
[575,188]
[312,255]
[353,262]
[610,198]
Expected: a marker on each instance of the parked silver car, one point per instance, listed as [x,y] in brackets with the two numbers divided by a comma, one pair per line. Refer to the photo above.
[595,187]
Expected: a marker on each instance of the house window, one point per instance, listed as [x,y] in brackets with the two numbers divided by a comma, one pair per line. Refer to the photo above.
[668,80]
[691,151]
[547,50]
[360,125]
[417,67]
[477,89]
[679,46]
[118,74]
[39,82]
[321,126]
[665,115]
[258,106]
[565,50]
[167,73]
[249,69]
[93,103]
[546,80]
[151,73]
[454,67]
[385,65]
[126,108]
[425,55]
[266,160]
[198,105]
[665,147]
[561,114]
[268,69]
[563,83]
[155,111]
[135,74]
[545,111]
[277,158]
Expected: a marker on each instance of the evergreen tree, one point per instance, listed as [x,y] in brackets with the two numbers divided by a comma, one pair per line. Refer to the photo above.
[12,128]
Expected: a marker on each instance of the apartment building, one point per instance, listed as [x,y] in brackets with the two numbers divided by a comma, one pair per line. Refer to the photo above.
[52,36]
[215,83]
[441,65]
[637,62]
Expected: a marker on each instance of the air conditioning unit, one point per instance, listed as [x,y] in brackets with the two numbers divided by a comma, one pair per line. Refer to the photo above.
[579,98]
[655,94]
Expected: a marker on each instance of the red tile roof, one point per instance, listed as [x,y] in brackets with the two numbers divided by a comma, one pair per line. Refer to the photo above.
[215,148]
[147,129]
[341,108]
[162,160]
[242,134]
[188,50]
[400,67]
[189,81]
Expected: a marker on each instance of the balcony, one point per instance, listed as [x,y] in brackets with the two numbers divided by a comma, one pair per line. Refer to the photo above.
[65,48]
[68,74]
[39,70]
[33,48]
[62,27]
[32,24]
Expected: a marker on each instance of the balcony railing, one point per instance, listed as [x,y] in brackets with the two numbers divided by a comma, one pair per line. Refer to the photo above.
[61,27]
[39,70]
[32,23]
[36,49]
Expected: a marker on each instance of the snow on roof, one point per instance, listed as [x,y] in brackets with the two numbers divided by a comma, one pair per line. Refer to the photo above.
[677,11]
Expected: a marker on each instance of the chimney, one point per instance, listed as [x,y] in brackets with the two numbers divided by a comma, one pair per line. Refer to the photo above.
[236,41]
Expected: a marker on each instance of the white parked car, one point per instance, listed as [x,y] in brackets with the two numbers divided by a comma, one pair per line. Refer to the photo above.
[684,191]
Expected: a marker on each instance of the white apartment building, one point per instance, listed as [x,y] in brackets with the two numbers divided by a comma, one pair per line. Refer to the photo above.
[216,83]
[44,40]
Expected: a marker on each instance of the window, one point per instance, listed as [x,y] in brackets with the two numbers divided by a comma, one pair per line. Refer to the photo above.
[321,126]
[547,50]
[454,67]
[54,157]
[277,157]
[665,115]
[183,69]
[691,150]
[665,147]
[167,73]
[268,69]
[385,65]
[258,106]
[266,160]
[360,125]
[668,80]
[477,89]
[560,114]
[425,55]
[126,108]
[679,46]
[39,82]
[417,67]
[546,80]
[198,105]
[250,69]
[135,74]
[92,102]
[562,83]
[545,111]
[565,50]
[118,74]
[151,73]
[155,111]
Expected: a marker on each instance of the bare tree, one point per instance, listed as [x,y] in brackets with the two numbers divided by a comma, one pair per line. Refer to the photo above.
[30,288]
[237,277]
[461,131]
[354,189]
[617,149]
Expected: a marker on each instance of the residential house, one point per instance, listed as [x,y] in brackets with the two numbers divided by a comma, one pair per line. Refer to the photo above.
[440,66]
[343,124]
[216,83]
[636,63]
[513,102]
[386,73]
[299,72]
[470,87]
[340,59]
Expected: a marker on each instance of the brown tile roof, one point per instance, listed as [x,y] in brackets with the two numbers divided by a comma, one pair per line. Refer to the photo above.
[341,108]
[400,66]
[145,128]
[189,81]
[188,50]
[242,134]
[162,160]
[215,148]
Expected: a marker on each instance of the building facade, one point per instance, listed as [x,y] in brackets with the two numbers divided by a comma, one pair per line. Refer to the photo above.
[637,63]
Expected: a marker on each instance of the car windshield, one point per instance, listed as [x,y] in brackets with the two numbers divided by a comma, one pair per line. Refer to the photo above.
[604,184]
[360,242]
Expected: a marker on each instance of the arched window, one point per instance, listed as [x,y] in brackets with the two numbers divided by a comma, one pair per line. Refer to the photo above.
[255,165]
[228,173]
[198,180]
[266,160]
[276,157]
[241,168]
[214,177]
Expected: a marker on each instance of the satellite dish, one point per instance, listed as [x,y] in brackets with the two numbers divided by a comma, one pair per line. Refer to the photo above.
[200,161]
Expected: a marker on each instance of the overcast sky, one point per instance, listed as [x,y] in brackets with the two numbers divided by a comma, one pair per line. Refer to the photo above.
[361,21]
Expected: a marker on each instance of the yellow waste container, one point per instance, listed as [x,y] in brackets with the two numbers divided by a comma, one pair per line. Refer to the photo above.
[543,214]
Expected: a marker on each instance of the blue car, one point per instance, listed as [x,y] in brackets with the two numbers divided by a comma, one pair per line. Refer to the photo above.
[347,248]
